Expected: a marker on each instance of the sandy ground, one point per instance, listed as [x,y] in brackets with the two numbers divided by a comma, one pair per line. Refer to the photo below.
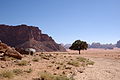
[106,67]
[103,69]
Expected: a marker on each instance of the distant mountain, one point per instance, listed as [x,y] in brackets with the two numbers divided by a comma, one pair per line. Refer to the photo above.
[95,45]
[23,36]
[105,46]
[118,44]
[66,46]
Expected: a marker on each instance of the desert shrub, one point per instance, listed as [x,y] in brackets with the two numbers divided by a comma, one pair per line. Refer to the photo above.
[82,59]
[43,56]
[61,78]
[29,70]
[74,63]
[48,76]
[85,61]
[7,58]
[6,74]
[83,64]
[17,71]
[47,56]
[22,63]
[90,62]
[35,59]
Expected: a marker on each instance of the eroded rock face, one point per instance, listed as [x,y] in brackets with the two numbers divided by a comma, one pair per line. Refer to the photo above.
[6,50]
[23,36]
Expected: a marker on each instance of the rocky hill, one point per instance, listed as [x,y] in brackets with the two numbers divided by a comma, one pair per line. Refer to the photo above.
[23,36]
[104,46]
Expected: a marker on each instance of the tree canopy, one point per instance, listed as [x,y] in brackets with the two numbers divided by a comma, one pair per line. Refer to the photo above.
[79,45]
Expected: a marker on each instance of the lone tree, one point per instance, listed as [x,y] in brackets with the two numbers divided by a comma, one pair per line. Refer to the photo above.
[79,45]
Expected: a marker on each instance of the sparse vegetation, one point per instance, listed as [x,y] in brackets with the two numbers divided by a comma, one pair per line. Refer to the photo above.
[61,78]
[7,58]
[59,67]
[43,56]
[74,63]
[85,61]
[82,59]
[11,73]
[35,59]
[6,74]
[90,62]
[29,70]
[48,76]
[22,63]
[17,71]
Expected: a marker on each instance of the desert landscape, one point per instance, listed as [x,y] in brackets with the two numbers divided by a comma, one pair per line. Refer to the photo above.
[28,54]
[92,64]
[60,40]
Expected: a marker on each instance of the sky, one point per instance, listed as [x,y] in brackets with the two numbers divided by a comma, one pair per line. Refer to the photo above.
[66,20]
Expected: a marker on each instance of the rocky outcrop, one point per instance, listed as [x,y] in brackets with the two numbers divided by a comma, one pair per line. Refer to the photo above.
[8,51]
[23,36]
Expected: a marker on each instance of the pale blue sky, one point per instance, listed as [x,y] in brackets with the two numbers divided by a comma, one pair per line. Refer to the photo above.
[66,20]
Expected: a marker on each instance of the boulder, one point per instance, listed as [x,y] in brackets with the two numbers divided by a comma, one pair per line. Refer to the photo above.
[6,50]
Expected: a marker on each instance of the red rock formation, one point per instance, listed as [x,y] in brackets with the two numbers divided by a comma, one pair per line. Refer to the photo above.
[23,36]
[8,51]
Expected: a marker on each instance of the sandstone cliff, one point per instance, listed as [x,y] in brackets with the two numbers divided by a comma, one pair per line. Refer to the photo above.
[23,36]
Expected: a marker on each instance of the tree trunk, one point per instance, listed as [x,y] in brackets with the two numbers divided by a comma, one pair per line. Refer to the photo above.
[79,51]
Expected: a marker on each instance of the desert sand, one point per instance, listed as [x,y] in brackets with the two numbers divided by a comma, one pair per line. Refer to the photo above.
[106,65]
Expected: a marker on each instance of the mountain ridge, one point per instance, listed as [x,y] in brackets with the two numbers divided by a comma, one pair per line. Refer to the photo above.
[23,36]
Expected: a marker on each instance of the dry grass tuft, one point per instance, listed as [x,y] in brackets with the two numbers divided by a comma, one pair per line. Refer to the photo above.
[6,74]
[29,70]
[48,76]
[17,71]
[74,63]
[85,62]
[22,63]
[35,59]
